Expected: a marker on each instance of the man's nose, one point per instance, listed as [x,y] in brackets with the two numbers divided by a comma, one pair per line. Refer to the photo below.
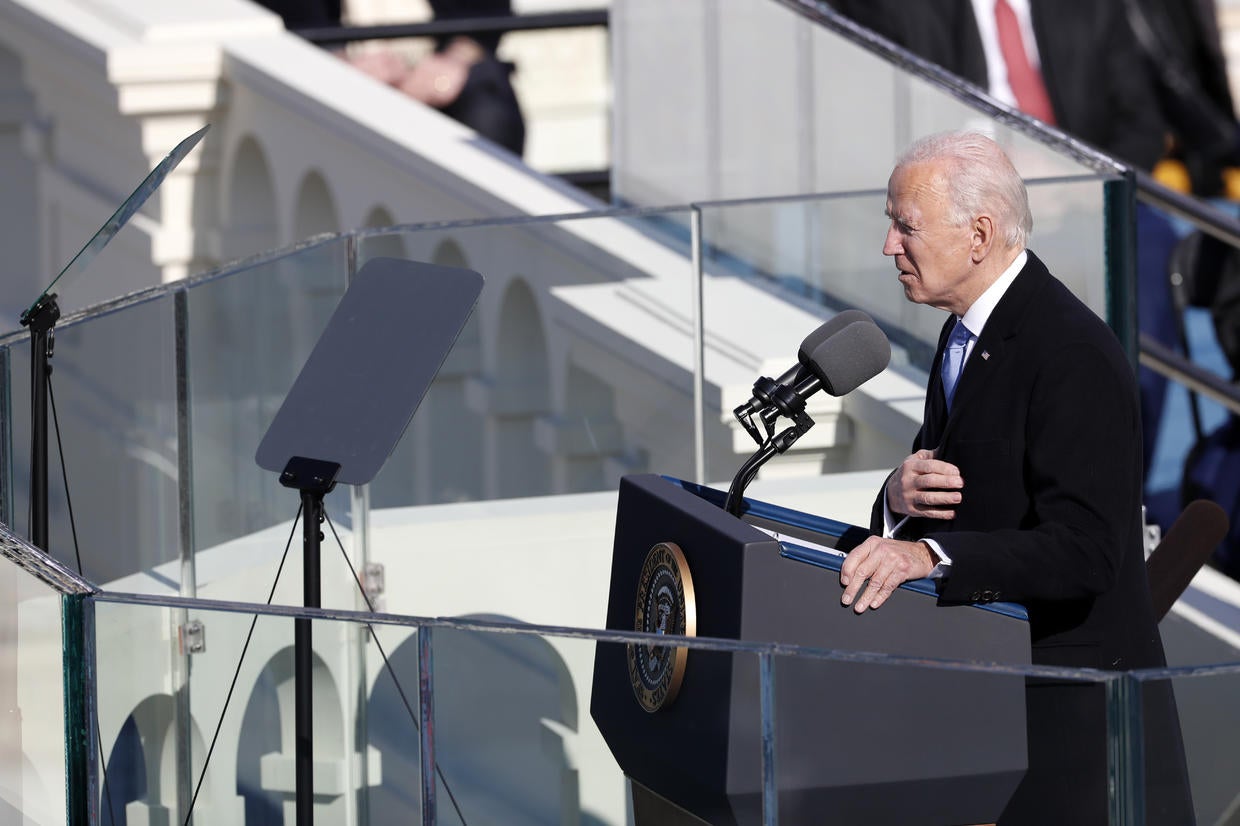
[892,245]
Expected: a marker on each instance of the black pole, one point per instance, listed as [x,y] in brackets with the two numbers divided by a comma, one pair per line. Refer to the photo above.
[314,479]
[776,444]
[312,515]
[41,319]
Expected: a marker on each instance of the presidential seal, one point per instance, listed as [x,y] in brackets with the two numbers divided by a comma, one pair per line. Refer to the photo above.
[665,605]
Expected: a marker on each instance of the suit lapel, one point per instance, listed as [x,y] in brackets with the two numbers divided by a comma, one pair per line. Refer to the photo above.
[988,357]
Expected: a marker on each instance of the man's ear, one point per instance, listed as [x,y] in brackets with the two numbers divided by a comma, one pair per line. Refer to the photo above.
[983,238]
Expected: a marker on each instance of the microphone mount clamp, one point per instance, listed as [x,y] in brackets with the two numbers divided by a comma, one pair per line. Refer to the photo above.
[771,400]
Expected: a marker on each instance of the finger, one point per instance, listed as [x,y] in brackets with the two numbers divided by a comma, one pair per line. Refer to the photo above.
[932,504]
[929,500]
[848,569]
[860,576]
[878,583]
[883,591]
[938,481]
[937,470]
[850,593]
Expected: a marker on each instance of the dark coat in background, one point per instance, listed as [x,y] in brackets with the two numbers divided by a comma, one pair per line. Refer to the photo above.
[1098,80]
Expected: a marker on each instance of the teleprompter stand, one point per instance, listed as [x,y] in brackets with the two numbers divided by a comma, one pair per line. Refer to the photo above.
[41,317]
[314,479]
[346,411]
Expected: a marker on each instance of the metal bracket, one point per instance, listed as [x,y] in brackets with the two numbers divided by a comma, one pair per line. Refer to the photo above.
[373,581]
[192,637]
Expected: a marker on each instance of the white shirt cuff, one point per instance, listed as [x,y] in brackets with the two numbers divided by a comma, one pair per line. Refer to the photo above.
[944,566]
[891,526]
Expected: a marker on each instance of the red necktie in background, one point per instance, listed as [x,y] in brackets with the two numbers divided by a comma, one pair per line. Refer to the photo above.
[1025,80]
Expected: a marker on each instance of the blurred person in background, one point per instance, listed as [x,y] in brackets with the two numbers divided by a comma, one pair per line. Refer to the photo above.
[1182,43]
[463,78]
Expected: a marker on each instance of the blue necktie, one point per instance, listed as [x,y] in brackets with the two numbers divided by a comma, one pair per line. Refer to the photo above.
[953,359]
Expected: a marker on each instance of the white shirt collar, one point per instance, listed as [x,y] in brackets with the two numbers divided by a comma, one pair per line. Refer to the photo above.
[978,314]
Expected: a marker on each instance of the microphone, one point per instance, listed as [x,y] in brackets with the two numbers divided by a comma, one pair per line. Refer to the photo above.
[845,360]
[838,357]
[764,389]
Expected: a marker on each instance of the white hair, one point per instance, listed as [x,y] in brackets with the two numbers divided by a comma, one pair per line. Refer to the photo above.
[980,178]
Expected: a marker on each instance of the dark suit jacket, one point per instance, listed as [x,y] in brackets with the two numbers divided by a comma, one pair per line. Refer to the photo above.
[1045,428]
[1097,78]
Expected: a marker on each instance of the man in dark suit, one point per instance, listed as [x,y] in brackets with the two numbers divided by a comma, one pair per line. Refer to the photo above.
[1025,480]
[1098,80]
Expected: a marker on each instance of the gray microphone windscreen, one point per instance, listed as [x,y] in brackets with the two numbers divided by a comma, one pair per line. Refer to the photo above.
[849,358]
[827,329]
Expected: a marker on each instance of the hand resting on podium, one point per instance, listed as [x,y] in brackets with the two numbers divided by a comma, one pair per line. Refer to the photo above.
[879,566]
[921,486]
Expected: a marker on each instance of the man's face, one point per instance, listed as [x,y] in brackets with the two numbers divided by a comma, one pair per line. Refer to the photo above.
[932,255]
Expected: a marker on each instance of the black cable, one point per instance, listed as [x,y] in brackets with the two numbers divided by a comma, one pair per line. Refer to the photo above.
[388,665]
[64,475]
[77,554]
[253,622]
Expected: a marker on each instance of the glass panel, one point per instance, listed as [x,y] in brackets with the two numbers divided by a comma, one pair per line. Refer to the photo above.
[534,726]
[574,369]
[114,388]
[249,333]
[32,708]
[512,554]
[851,740]
[391,723]
[1200,630]
[775,271]
[753,74]
[1210,726]
[17,430]
[7,480]
[536,729]
[525,724]
[511,739]
[174,726]
[1069,235]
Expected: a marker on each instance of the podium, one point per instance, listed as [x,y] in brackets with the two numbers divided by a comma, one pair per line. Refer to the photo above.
[855,742]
